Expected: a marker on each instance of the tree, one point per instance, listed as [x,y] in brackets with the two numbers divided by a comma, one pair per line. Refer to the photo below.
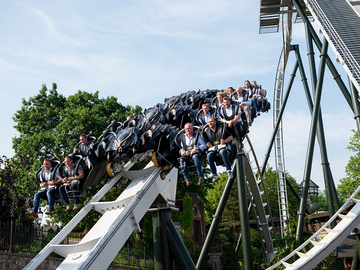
[49,125]
[349,183]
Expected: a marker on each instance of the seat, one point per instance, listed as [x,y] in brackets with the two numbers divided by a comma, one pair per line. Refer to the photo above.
[77,161]
[196,133]
[231,148]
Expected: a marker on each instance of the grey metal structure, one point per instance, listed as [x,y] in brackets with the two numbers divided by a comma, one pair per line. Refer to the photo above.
[339,22]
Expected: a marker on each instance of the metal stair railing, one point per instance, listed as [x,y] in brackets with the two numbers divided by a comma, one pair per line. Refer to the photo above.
[333,238]
[339,22]
[278,144]
[262,217]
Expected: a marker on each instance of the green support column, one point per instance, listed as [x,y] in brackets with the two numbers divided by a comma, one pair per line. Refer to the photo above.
[244,218]
[320,128]
[181,255]
[310,151]
[355,265]
[355,102]
[329,63]
[215,222]
[161,250]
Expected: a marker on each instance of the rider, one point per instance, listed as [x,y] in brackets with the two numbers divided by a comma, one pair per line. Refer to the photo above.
[47,189]
[191,144]
[231,115]
[71,177]
[205,115]
[217,135]
[242,97]
[83,147]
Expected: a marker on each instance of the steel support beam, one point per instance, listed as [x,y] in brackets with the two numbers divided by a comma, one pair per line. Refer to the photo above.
[355,102]
[310,151]
[328,179]
[329,63]
[161,250]
[177,246]
[216,220]
[244,218]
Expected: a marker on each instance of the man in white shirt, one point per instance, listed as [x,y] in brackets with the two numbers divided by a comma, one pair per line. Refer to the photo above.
[47,188]
[231,115]
[192,144]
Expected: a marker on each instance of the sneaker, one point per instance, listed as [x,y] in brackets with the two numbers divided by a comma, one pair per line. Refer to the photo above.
[258,113]
[230,174]
[49,212]
[215,177]
[32,214]
[68,208]
[76,207]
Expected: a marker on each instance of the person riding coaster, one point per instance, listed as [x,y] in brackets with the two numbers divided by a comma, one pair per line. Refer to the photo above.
[72,175]
[221,150]
[191,147]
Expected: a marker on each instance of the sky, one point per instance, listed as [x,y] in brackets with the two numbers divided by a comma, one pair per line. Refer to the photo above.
[144,51]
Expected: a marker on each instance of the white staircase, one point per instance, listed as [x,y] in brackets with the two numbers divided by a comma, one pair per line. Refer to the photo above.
[120,218]
[321,249]
[251,168]
[339,22]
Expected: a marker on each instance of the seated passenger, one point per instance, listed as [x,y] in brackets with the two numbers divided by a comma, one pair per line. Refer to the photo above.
[219,99]
[205,115]
[241,97]
[231,115]
[230,91]
[214,134]
[83,147]
[71,182]
[47,189]
[192,146]
[256,94]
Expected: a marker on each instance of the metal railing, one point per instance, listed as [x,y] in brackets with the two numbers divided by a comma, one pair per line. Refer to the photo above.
[31,238]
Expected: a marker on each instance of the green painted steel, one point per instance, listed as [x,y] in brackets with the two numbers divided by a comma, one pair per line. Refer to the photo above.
[244,217]
[177,246]
[215,222]
[329,63]
[355,102]
[310,151]
[161,251]
[328,179]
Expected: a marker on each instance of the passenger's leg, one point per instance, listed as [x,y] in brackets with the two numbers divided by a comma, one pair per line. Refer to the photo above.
[256,105]
[196,159]
[225,159]
[211,158]
[184,168]
[63,194]
[74,189]
[50,198]
[247,111]
[40,194]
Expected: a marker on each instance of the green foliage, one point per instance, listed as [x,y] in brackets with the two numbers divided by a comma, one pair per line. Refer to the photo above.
[186,219]
[349,183]
[230,260]
[12,202]
[319,203]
